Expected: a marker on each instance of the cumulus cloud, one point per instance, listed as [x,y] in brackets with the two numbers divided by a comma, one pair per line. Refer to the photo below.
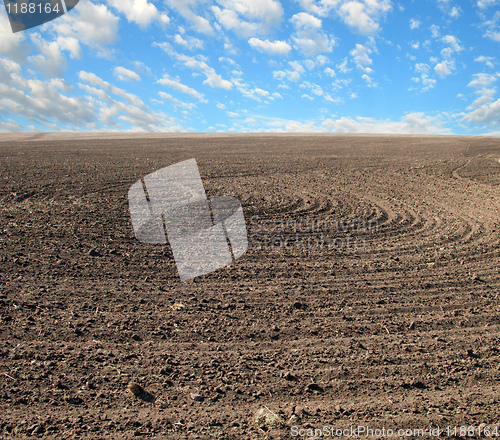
[321,8]
[485,110]
[189,10]
[443,68]
[140,12]
[483,80]
[177,103]
[447,8]
[330,72]
[308,37]
[270,47]
[412,123]
[446,66]
[415,24]
[176,84]
[293,74]
[483,4]
[364,16]
[251,92]
[93,25]
[41,102]
[492,25]
[12,45]
[125,75]
[249,18]
[197,63]
[361,56]
[486,60]
[190,43]
[424,79]
[50,60]
[53,105]
[213,79]
[315,89]
[435,31]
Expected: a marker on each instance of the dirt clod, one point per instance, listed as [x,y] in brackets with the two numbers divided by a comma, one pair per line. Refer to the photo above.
[136,389]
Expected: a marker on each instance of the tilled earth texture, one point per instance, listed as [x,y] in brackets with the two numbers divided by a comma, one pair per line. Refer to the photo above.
[367,301]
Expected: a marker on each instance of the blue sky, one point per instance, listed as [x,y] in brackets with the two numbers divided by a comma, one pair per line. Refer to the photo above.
[361,66]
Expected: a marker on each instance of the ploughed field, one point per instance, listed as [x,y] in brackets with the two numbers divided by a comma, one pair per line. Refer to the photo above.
[368,296]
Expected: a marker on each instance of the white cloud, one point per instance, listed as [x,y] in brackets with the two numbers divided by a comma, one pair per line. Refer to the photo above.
[190,43]
[452,11]
[361,56]
[412,123]
[255,93]
[261,92]
[139,11]
[492,25]
[130,109]
[309,38]
[314,88]
[483,80]
[455,12]
[453,43]
[321,8]
[249,18]
[364,16]
[424,79]
[446,66]
[93,79]
[270,47]
[486,60]
[306,21]
[49,104]
[125,75]
[176,84]
[334,100]
[292,75]
[435,31]
[343,66]
[188,9]
[443,69]
[330,72]
[415,24]
[176,102]
[213,79]
[89,24]
[483,4]
[11,126]
[51,60]
[197,63]
[485,110]
[228,61]
[13,45]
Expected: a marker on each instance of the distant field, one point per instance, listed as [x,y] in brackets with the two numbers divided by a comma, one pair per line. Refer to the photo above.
[369,294]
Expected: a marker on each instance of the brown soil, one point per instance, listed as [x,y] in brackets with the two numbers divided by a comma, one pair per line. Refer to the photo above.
[400,331]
